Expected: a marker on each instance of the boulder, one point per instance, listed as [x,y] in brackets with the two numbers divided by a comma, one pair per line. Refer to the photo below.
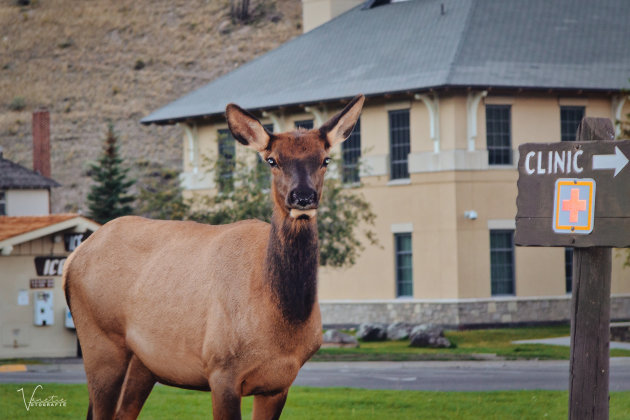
[428,335]
[372,332]
[398,331]
[334,338]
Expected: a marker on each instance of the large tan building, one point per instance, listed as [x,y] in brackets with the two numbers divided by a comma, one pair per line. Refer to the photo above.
[453,88]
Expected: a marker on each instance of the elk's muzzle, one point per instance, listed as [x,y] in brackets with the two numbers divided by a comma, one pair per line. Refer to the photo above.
[303,203]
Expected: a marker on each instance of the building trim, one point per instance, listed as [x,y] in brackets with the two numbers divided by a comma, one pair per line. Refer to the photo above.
[448,160]
[395,106]
[402,227]
[502,310]
[320,115]
[278,125]
[617,103]
[501,224]
[499,100]
[572,102]
[501,298]
[399,181]
[433,105]
[193,146]
[472,107]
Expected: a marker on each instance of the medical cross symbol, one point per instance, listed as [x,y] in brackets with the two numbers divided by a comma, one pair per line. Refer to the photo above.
[574,205]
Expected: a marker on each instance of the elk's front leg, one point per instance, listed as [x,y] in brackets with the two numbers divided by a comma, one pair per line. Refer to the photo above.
[226,398]
[269,406]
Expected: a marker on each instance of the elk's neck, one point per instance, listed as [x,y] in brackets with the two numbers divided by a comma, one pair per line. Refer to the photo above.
[291,264]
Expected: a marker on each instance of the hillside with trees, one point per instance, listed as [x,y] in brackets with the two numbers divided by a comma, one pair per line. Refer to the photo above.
[100,61]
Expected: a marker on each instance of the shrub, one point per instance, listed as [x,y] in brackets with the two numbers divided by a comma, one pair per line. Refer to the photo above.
[17,104]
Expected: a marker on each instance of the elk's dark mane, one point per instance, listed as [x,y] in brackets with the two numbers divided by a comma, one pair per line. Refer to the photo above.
[291,263]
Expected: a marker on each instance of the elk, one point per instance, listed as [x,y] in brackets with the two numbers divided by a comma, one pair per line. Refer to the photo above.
[230,309]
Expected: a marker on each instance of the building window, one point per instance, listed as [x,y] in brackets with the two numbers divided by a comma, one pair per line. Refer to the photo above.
[305,124]
[3,203]
[268,127]
[404,265]
[568,269]
[502,262]
[351,152]
[498,134]
[399,143]
[570,118]
[226,162]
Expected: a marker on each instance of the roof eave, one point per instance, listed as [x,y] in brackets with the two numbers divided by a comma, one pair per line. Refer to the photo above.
[411,91]
[78,222]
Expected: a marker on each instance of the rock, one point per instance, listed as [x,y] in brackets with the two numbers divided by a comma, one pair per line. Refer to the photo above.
[225,27]
[428,335]
[372,332]
[334,338]
[275,18]
[398,331]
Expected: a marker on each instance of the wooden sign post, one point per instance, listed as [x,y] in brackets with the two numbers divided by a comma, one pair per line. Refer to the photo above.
[576,194]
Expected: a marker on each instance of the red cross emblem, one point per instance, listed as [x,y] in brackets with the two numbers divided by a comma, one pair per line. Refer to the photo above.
[574,206]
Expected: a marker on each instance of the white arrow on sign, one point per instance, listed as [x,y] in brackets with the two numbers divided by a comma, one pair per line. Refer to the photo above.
[617,161]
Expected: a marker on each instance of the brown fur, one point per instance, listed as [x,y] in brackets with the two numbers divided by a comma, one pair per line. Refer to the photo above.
[230,308]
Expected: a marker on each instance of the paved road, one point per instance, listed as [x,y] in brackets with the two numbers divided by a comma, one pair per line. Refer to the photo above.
[435,376]
[454,376]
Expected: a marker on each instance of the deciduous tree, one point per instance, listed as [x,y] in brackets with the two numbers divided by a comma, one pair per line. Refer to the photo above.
[344,217]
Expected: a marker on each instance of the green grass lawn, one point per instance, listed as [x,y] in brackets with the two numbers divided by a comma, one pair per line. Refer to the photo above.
[466,345]
[324,403]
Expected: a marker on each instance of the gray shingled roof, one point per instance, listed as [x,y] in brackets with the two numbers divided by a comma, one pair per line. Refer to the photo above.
[14,176]
[411,46]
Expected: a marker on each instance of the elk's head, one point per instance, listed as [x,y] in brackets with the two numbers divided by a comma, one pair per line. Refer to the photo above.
[298,159]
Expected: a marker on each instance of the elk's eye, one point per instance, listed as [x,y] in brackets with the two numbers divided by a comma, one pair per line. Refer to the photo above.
[272,162]
[326,162]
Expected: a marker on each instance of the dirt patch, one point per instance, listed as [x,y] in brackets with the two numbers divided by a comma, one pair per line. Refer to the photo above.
[99,61]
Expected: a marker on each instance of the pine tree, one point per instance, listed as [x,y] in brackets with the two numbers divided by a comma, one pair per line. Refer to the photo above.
[108,198]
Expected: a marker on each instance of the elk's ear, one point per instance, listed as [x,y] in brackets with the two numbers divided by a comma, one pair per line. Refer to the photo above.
[246,128]
[340,126]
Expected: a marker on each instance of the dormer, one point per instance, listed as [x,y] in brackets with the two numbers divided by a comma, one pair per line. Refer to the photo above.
[23,192]
[318,12]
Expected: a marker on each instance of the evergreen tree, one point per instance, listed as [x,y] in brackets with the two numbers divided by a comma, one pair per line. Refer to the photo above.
[160,194]
[108,198]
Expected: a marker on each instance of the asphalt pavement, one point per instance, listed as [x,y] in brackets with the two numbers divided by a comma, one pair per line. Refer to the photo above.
[432,376]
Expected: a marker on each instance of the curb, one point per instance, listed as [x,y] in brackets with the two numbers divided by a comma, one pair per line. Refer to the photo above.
[12,368]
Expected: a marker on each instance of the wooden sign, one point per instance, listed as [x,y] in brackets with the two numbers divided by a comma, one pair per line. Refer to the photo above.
[577,194]
[73,240]
[49,266]
[574,194]
[42,283]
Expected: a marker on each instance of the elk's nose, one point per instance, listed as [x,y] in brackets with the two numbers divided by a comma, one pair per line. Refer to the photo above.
[303,198]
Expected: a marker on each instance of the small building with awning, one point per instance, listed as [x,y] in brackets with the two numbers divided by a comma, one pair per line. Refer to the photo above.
[34,317]
[34,245]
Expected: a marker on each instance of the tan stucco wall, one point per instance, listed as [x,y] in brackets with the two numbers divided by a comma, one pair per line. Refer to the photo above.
[16,322]
[451,257]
